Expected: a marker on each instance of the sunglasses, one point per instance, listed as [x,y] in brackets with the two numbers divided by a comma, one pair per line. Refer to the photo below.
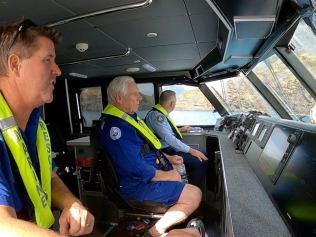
[22,27]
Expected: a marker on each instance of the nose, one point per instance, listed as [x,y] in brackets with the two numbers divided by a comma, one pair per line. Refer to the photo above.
[56,70]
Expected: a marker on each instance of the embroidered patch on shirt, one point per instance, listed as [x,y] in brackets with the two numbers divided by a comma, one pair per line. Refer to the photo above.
[159,118]
[115,133]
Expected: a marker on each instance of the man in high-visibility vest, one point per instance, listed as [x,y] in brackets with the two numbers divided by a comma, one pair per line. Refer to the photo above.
[159,121]
[133,148]
[28,187]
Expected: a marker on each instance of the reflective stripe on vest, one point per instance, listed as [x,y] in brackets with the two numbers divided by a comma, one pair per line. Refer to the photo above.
[140,126]
[40,195]
[161,109]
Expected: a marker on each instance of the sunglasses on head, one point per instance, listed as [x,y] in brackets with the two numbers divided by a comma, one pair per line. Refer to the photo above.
[22,27]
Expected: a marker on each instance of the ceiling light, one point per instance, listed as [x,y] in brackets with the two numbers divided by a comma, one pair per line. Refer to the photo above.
[152,35]
[149,67]
[74,74]
[132,69]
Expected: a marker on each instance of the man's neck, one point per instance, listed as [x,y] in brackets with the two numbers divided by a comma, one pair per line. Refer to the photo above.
[19,109]
[166,108]
[120,107]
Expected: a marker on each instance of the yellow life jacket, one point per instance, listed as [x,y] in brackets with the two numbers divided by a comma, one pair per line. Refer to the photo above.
[140,125]
[161,109]
[39,193]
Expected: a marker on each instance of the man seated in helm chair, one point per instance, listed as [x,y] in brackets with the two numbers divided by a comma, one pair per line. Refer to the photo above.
[159,121]
[28,186]
[125,136]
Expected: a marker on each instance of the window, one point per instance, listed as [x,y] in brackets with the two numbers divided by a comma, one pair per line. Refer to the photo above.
[192,107]
[313,19]
[238,95]
[304,42]
[285,87]
[255,129]
[91,104]
[262,133]
[148,99]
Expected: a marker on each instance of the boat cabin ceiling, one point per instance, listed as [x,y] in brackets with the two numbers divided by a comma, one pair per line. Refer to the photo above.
[263,179]
[195,39]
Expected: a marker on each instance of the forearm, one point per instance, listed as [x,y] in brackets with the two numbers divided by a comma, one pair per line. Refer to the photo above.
[175,143]
[13,227]
[18,228]
[75,219]
[61,195]
[184,128]
[174,159]
[161,176]
[168,157]
[171,175]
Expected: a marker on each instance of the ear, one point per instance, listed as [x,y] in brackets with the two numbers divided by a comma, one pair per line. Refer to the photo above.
[14,64]
[119,98]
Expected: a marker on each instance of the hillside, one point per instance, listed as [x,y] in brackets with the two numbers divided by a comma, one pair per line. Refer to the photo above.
[199,103]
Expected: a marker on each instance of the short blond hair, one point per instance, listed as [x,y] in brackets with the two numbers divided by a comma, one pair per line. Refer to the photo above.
[25,43]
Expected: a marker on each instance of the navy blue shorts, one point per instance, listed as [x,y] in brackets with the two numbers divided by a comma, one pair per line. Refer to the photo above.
[166,192]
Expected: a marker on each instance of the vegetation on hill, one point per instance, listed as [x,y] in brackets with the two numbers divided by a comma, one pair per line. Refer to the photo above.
[193,100]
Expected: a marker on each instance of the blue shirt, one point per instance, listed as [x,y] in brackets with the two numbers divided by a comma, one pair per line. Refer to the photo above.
[124,145]
[9,192]
[159,124]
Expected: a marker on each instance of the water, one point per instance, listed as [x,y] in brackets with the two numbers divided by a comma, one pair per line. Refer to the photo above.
[194,117]
[186,117]
[179,117]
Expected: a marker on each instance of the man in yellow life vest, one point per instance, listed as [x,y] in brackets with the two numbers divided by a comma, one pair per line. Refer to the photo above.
[134,147]
[28,187]
[159,121]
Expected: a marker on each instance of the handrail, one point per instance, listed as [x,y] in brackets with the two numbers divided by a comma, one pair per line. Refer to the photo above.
[127,53]
[145,3]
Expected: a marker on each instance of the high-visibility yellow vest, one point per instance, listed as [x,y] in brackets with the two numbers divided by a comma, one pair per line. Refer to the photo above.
[140,125]
[38,192]
[173,126]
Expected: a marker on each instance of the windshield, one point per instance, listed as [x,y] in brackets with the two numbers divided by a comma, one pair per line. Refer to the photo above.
[238,95]
[192,107]
[285,87]
[304,42]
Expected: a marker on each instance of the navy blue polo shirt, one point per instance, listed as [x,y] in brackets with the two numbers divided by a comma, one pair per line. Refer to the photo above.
[10,195]
[135,170]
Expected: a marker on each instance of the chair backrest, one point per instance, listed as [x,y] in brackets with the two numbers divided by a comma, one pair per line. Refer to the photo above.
[110,180]
[57,139]
[106,169]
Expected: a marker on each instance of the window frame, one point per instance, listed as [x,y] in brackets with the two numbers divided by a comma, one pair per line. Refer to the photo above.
[292,69]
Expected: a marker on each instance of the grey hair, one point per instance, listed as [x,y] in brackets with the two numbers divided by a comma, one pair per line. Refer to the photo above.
[118,86]
[167,96]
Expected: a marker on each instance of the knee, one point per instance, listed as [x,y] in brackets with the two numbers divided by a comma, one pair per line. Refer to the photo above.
[197,194]
[196,164]
[184,233]
[204,164]
[192,195]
